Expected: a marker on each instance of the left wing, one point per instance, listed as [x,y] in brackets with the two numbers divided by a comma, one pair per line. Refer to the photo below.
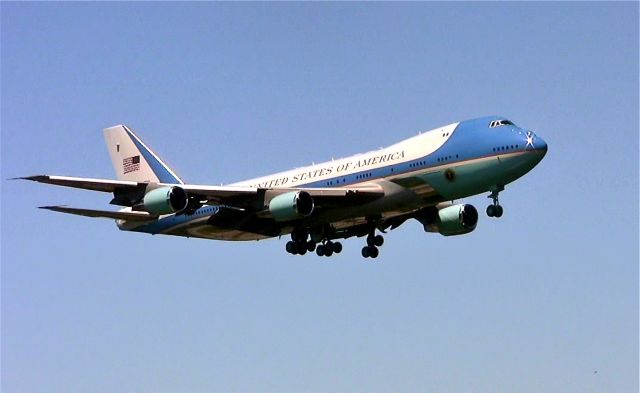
[129,216]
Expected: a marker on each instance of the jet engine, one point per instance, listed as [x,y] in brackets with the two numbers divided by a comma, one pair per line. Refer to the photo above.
[164,200]
[451,220]
[291,206]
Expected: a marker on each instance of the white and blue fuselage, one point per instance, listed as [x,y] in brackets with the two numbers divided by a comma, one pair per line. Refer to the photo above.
[451,162]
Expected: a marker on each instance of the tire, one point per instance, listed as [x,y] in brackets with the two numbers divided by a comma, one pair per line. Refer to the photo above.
[311,246]
[491,211]
[499,211]
[337,247]
[365,252]
[291,247]
[374,252]
[320,250]
[378,240]
[371,241]
[301,248]
[328,246]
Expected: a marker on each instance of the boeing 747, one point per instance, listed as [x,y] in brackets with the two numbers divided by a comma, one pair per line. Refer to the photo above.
[417,178]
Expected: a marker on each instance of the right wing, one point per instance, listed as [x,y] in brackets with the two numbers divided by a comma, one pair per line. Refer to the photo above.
[127,193]
[86,183]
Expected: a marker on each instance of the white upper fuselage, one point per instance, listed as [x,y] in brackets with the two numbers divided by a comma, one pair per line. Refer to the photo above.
[340,172]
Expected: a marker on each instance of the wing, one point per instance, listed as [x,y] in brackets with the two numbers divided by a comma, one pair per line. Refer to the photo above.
[85,183]
[127,193]
[129,216]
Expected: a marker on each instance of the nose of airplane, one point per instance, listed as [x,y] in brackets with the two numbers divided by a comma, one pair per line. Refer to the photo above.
[534,142]
[540,144]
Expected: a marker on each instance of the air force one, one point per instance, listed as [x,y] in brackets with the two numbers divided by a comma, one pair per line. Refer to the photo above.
[417,178]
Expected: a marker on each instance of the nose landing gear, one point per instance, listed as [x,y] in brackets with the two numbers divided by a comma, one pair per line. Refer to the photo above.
[495,210]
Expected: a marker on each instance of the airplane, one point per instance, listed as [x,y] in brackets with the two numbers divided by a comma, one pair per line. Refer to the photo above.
[418,178]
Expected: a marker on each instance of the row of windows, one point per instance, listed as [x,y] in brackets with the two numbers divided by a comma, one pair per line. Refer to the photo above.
[447,158]
[344,180]
[411,165]
[338,181]
[505,148]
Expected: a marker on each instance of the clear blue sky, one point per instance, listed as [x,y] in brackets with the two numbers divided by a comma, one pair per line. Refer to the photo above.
[537,301]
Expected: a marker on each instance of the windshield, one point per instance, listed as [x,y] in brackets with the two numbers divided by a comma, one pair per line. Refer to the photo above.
[498,123]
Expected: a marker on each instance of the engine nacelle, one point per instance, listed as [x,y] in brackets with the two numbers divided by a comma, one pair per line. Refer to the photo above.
[453,220]
[165,200]
[291,206]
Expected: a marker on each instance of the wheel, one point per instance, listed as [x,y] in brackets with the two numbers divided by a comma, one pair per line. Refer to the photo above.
[378,240]
[311,246]
[302,250]
[320,250]
[491,211]
[365,252]
[337,247]
[328,251]
[371,241]
[373,251]
[291,247]
[499,211]
[328,246]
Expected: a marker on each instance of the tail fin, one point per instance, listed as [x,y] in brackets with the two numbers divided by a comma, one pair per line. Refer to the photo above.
[133,160]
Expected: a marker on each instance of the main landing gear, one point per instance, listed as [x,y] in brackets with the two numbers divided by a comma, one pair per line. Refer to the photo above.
[300,245]
[495,210]
[373,242]
[328,248]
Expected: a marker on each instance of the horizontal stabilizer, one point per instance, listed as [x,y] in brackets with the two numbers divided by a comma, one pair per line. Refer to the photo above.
[129,216]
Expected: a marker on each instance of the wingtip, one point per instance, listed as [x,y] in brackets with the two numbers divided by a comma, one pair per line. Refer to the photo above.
[53,207]
[32,178]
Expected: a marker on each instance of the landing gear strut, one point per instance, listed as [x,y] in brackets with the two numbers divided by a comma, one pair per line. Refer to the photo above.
[373,242]
[495,210]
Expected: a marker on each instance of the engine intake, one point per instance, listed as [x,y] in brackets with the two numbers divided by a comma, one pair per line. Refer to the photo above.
[451,220]
[291,206]
[165,200]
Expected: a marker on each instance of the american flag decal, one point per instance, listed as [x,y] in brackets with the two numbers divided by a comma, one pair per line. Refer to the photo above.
[131,164]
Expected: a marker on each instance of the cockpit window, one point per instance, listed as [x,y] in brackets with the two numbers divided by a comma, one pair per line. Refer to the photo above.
[498,123]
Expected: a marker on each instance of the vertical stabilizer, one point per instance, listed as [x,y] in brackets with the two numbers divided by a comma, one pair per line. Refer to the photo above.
[133,160]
